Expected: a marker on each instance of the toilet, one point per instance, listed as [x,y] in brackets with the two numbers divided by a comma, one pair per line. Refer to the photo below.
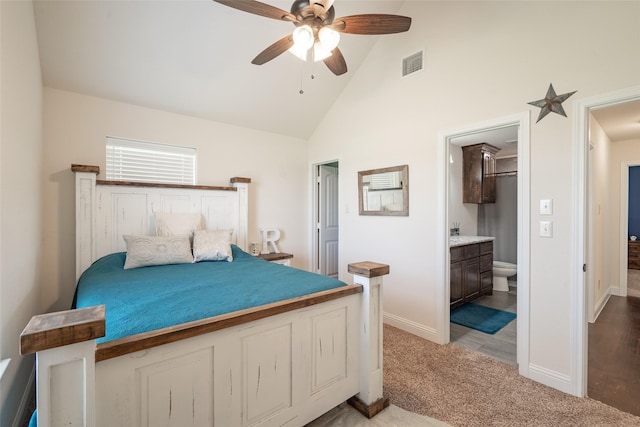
[502,270]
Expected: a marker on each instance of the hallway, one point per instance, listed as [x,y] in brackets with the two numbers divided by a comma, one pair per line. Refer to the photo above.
[614,355]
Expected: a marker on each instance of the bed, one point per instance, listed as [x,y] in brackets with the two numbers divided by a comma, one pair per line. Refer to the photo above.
[252,358]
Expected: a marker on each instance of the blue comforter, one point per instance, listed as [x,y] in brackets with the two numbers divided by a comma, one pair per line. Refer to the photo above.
[149,298]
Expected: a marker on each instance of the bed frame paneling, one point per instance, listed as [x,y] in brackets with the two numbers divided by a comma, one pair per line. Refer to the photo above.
[285,363]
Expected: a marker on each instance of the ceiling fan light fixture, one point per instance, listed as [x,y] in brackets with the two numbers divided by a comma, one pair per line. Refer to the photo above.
[329,38]
[303,37]
[299,52]
[320,52]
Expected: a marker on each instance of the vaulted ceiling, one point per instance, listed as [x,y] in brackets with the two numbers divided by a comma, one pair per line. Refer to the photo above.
[193,57]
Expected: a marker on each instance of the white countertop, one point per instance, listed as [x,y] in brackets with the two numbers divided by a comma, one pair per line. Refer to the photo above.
[467,240]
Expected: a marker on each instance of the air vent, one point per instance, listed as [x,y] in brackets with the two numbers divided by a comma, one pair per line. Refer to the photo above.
[412,63]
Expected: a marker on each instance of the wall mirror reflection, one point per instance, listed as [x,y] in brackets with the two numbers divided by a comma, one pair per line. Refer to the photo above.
[384,191]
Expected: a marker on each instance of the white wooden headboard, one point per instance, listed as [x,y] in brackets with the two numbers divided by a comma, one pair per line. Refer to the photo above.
[106,210]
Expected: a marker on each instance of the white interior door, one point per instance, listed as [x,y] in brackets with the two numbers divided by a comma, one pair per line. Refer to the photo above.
[328,220]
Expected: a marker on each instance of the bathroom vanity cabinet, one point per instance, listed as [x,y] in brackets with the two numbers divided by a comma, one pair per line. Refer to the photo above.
[479,173]
[471,272]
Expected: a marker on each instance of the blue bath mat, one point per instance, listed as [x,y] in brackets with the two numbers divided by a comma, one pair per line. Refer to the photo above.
[484,319]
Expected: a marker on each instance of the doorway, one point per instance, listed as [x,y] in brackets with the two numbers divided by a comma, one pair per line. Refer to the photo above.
[604,285]
[522,123]
[326,231]
[497,220]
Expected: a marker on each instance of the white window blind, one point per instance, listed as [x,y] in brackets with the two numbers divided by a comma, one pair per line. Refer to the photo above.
[385,181]
[141,161]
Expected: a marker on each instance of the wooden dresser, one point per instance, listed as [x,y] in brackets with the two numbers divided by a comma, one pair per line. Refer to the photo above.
[633,255]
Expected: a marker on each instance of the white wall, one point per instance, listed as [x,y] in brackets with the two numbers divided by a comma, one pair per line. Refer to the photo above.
[484,60]
[599,213]
[20,188]
[466,214]
[75,127]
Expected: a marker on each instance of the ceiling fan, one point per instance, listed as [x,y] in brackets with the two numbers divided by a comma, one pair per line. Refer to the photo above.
[317,31]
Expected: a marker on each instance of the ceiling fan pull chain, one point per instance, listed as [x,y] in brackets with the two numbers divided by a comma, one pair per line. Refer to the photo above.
[301,92]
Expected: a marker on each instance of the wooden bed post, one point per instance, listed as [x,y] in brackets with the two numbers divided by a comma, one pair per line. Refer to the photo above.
[370,400]
[64,343]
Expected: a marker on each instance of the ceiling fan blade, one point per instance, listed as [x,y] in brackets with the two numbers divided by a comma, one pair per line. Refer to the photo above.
[258,8]
[336,62]
[372,24]
[274,50]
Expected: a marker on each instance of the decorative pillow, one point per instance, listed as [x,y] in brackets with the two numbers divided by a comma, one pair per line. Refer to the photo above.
[212,245]
[144,251]
[177,224]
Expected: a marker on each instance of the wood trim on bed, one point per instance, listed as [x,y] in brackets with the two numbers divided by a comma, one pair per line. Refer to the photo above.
[85,168]
[159,185]
[371,410]
[368,269]
[53,330]
[238,179]
[96,170]
[119,347]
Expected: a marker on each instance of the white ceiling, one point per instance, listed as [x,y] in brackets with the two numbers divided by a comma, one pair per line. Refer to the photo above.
[620,122]
[193,57]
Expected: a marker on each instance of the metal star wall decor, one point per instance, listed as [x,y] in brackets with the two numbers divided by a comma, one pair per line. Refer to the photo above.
[551,103]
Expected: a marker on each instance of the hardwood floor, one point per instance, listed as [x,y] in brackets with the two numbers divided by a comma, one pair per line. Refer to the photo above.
[503,344]
[614,355]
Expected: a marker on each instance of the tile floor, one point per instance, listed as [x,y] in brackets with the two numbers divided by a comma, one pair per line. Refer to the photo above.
[501,345]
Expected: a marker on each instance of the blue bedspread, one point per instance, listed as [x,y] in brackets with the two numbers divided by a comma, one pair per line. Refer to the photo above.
[149,298]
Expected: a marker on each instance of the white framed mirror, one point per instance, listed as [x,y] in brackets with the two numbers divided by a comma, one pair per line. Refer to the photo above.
[384,191]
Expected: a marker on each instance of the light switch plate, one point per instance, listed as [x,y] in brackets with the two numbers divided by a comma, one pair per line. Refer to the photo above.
[546,206]
[546,229]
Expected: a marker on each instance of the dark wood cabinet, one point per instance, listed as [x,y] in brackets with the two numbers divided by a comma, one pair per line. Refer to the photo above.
[471,272]
[479,173]
[633,256]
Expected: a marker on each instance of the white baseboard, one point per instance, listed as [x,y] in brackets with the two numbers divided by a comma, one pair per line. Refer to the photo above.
[412,327]
[26,397]
[600,305]
[616,291]
[551,378]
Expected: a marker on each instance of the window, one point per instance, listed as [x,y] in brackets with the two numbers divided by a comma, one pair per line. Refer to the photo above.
[141,161]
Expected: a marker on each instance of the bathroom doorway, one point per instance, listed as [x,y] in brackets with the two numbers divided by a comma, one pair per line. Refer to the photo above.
[497,220]
[516,143]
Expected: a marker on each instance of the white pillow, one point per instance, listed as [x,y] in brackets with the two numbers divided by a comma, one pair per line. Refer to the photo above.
[144,251]
[212,245]
[177,224]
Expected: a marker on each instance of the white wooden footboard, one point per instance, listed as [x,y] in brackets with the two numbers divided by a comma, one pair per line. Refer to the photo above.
[284,369]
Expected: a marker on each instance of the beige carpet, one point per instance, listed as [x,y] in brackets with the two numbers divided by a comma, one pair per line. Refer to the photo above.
[469,389]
